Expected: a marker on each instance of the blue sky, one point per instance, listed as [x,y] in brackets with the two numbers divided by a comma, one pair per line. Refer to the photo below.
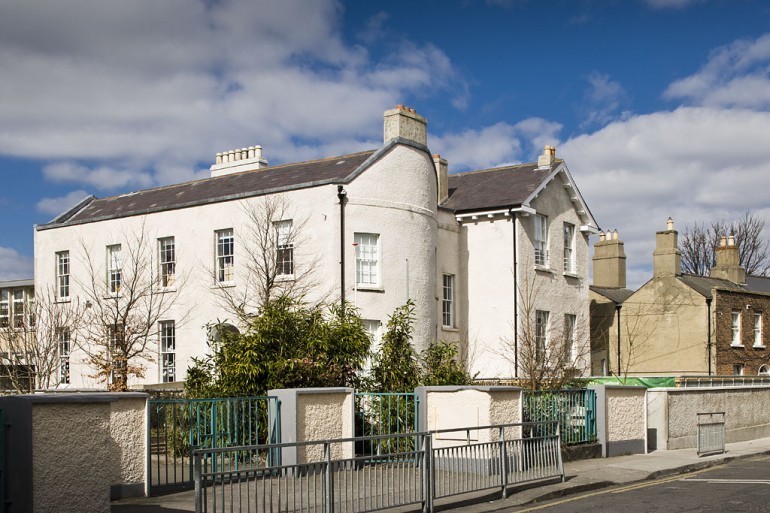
[661,107]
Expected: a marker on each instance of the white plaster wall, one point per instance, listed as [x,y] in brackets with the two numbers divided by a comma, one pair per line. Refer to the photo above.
[489,246]
[449,260]
[324,416]
[71,448]
[626,414]
[395,198]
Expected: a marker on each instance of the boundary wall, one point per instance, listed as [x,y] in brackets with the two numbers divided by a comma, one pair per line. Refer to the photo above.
[74,452]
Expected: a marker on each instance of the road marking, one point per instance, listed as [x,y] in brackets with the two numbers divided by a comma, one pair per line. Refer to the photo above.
[616,490]
[729,481]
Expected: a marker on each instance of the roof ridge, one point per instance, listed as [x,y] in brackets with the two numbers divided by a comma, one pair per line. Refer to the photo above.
[498,168]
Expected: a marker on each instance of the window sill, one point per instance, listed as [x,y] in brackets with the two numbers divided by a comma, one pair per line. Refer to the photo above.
[545,269]
[165,290]
[224,285]
[369,288]
[284,277]
[571,275]
[63,300]
[450,328]
[759,346]
[737,345]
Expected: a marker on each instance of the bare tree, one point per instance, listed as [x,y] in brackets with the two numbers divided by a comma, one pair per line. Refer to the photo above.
[124,304]
[269,241]
[36,342]
[549,350]
[698,245]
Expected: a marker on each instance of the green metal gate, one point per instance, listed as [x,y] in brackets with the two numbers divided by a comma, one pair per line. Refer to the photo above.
[573,409]
[179,426]
[385,413]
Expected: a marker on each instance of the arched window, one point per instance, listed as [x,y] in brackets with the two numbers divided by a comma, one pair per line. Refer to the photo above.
[764,371]
[215,332]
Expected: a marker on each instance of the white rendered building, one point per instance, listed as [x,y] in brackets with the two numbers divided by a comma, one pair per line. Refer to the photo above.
[377,226]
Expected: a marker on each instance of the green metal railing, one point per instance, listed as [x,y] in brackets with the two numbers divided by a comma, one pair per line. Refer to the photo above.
[385,413]
[574,409]
[179,426]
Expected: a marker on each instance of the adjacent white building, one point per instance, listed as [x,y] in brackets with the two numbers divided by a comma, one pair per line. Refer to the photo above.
[378,227]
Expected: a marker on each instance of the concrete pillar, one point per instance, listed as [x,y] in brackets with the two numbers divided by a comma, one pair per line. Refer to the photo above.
[621,419]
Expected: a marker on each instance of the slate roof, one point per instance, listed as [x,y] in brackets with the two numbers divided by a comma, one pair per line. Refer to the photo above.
[209,190]
[758,284]
[494,188]
[703,284]
[615,294]
[17,283]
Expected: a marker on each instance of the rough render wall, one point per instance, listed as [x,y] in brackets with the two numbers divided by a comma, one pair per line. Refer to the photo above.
[557,292]
[626,411]
[127,429]
[72,447]
[324,416]
[449,260]
[396,198]
[750,355]
[665,325]
[744,408]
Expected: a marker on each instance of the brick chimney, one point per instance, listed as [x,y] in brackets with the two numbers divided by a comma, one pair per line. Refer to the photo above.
[666,259]
[442,167]
[405,123]
[609,261]
[548,157]
[235,161]
[728,262]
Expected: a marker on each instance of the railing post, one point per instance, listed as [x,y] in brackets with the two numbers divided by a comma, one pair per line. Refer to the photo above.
[503,463]
[429,477]
[329,478]
[558,452]
[198,484]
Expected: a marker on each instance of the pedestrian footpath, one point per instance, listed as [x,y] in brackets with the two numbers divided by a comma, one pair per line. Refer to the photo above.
[581,475]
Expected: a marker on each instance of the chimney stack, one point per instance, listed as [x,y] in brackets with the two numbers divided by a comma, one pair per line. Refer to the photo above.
[609,261]
[235,161]
[405,123]
[667,260]
[548,157]
[442,167]
[728,262]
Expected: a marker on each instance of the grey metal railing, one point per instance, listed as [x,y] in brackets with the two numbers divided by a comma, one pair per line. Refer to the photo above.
[711,433]
[329,477]
[722,381]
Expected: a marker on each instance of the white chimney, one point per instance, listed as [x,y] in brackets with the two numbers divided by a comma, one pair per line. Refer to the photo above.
[405,123]
[236,161]
[548,157]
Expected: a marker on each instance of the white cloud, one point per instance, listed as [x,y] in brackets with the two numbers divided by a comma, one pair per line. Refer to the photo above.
[736,75]
[602,100]
[57,206]
[14,266]
[693,164]
[496,145]
[121,90]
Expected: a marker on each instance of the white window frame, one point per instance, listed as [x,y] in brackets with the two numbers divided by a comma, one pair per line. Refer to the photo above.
[758,339]
[448,301]
[284,244]
[18,308]
[114,332]
[570,327]
[569,248]
[735,327]
[5,308]
[739,369]
[764,370]
[541,241]
[167,344]
[63,275]
[541,335]
[225,255]
[367,259]
[167,261]
[64,346]
[114,268]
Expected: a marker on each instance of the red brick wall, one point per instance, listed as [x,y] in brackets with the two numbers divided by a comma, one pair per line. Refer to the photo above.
[751,356]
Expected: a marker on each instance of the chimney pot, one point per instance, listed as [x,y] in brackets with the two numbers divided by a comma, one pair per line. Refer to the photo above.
[723,241]
[731,240]
[601,236]
[670,224]
[615,235]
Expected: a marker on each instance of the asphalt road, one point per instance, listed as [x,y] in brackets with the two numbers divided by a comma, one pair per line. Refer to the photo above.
[738,487]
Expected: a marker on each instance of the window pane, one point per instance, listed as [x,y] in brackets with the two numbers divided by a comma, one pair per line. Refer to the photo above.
[569,249]
[114,268]
[541,240]
[167,259]
[448,301]
[63,274]
[225,255]
[167,337]
[367,258]
[284,248]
